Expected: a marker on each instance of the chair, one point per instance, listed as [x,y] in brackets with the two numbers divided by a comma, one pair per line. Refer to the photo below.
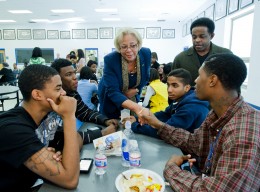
[2,99]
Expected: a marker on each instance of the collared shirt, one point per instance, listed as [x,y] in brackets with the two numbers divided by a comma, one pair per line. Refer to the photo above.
[236,160]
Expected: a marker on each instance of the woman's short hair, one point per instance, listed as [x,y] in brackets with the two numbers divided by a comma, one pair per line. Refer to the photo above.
[125,31]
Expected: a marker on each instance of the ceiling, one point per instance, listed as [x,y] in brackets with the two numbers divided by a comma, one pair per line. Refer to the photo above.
[128,10]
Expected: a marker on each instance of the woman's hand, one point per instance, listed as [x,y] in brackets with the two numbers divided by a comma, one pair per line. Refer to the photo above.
[131,93]
[143,113]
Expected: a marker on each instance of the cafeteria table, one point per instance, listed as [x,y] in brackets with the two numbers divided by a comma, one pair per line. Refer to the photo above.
[155,153]
[6,90]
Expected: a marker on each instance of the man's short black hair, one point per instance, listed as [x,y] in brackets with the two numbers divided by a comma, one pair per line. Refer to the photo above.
[85,73]
[60,63]
[34,77]
[229,68]
[5,64]
[73,57]
[91,62]
[183,74]
[204,22]
[167,68]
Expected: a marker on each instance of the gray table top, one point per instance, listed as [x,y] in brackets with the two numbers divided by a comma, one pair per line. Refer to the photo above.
[4,90]
[155,153]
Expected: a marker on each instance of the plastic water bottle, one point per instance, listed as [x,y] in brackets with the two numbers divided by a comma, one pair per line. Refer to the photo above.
[129,135]
[134,154]
[100,161]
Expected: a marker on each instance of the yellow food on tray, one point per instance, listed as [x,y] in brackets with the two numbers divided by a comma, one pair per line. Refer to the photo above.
[140,183]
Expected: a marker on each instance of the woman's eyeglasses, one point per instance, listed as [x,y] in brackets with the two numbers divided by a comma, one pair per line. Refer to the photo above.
[125,47]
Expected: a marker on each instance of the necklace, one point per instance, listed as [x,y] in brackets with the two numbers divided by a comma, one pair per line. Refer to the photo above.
[133,70]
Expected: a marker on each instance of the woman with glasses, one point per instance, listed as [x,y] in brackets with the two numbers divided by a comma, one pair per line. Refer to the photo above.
[126,72]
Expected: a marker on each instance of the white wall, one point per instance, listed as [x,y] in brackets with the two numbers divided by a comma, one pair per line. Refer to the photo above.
[167,49]
[253,88]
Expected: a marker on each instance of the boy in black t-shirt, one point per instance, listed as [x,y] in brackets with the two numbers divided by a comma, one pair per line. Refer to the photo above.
[23,157]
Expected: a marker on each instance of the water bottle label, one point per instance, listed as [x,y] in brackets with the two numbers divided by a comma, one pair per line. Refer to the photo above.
[126,156]
[101,163]
[135,159]
[124,142]
[135,162]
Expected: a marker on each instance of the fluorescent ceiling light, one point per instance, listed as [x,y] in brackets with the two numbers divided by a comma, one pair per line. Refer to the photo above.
[2,0]
[7,21]
[41,20]
[111,19]
[106,10]
[74,19]
[148,19]
[62,11]
[19,11]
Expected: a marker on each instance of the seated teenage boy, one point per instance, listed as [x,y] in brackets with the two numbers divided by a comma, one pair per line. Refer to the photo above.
[23,157]
[186,111]
[53,122]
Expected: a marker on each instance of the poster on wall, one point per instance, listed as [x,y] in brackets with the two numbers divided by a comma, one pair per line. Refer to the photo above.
[9,34]
[24,34]
[64,34]
[52,34]
[140,31]
[233,6]
[106,33]
[184,28]
[78,34]
[209,12]
[188,27]
[245,3]
[168,33]
[153,32]
[92,33]
[39,34]
[91,54]
[220,9]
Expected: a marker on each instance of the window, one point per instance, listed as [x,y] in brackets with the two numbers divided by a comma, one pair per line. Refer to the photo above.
[241,38]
